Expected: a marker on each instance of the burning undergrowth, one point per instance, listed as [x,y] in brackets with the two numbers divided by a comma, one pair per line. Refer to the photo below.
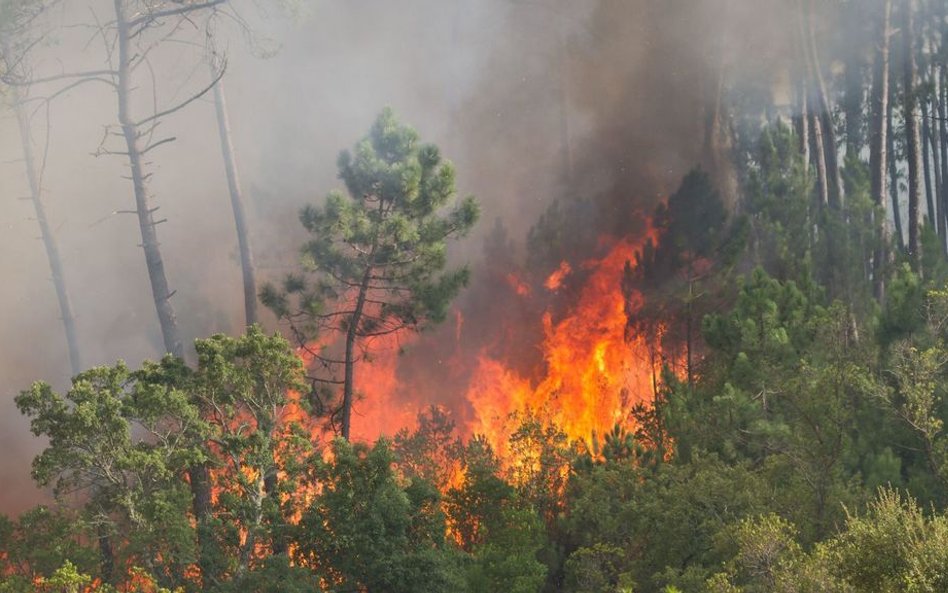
[549,343]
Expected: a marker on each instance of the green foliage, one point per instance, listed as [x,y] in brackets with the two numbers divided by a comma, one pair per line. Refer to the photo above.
[115,435]
[596,570]
[242,386]
[387,235]
[42,540]
[367,530]
[495,525]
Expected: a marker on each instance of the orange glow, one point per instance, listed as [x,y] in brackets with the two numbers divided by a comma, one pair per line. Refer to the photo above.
[519,286]
[378,410]
[555,280]
[592,376]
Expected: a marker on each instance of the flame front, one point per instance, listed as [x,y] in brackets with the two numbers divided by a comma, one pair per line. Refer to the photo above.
[592,376]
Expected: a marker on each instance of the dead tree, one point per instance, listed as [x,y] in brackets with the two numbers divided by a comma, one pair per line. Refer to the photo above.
[15,77]
[247,267]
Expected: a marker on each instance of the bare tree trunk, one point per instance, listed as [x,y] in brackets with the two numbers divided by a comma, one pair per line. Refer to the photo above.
[927,181]
[830,150]
[912,133]
[878,152]
[146,220]
[46,234]
[854,104]
[893,183]
[819,155]
[236,202]
[941,137]
[941,200]
[813,104]
[930,132]
[803,127]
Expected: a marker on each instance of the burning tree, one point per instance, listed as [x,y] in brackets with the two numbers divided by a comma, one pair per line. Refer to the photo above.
[377,260]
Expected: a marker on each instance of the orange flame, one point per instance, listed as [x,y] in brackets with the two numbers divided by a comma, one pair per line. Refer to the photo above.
[555,280]
[592,376]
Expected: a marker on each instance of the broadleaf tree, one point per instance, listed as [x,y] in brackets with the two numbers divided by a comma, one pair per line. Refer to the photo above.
[376,264]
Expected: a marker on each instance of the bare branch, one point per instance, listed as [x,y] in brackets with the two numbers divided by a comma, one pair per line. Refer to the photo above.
[159,143]
[186,9]
[183,104]
[66,76]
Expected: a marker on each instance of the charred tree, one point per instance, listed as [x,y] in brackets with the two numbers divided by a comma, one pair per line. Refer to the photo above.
[878,150]
[147,223]
[50,244]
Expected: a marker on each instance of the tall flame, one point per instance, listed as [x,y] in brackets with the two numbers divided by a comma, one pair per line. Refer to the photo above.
[592,376]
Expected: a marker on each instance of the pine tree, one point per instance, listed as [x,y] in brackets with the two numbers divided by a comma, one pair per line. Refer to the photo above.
[378,255]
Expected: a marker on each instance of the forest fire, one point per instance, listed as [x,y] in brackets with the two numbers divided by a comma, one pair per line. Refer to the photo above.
[591,375]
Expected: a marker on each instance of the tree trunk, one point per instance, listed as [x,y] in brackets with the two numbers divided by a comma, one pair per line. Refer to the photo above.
[236,202]
[351,334]
[930,132]
[941,200]
[106,554]
[146,220]
[199,477]
[935,148]
[853,105]
[813,105]
[911,133]
[941,138]
[819,156]
[271,487]
[893,183]
[878,152]
[803,127]
[927,181]
[827,131]
[46,233]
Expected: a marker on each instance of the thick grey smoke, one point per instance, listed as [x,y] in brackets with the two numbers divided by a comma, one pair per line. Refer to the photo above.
[535,101]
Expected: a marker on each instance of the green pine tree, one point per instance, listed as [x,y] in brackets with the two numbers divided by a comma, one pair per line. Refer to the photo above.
[378,254]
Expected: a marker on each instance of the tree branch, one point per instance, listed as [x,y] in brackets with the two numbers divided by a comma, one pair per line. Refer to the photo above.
[154,16]
[185,103]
